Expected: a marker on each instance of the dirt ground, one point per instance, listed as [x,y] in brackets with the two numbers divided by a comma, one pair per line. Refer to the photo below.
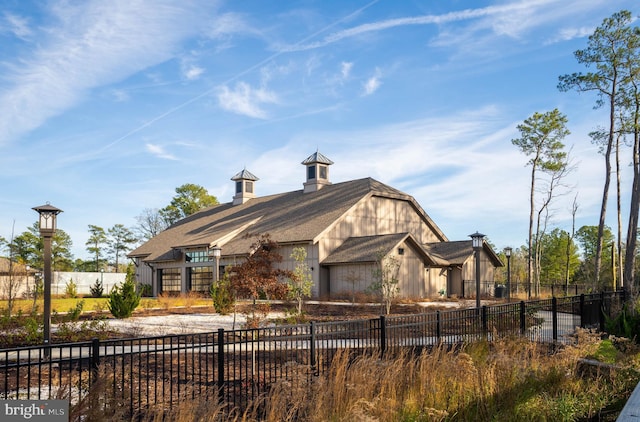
[205,319]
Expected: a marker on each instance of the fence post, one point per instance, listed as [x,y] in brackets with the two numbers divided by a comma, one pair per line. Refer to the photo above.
[582,311]
[523,325]
[438,327]
[554,318]
[95,359]
[383,335]
[221,365]
[601,316]
[312,349]
[485,327]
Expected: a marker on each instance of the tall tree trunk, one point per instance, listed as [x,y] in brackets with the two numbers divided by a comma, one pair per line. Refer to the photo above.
[531,216]
[607,183]
[617,274]
[574,210]
[628,281]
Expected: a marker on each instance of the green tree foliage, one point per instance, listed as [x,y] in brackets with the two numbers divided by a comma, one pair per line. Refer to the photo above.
[540,139]
[554,259]
[189,198]
[300,281]
[95,243]
[587,238]
[612,53]
[119,239]
[27,248]
[385,279]
[124,299]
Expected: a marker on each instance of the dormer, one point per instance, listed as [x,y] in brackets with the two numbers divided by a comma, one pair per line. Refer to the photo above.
[317,172]
[244,187]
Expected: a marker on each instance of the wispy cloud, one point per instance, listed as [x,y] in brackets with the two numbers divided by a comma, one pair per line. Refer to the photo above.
[159,151]
[92,43]
[502,11]
[345,69]
[246,100]
[372,84]
[15,25]
[193,72]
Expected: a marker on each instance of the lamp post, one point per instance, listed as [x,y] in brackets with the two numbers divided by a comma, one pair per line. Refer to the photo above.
[216,251]
[507,253]
[477,239]
[47,225]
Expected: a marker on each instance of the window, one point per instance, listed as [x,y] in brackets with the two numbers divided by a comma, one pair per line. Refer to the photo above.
[239,186]
[170,280]
[311,172]
[400,251]
[249,186]
[323,172]
[200,279]
[197,255]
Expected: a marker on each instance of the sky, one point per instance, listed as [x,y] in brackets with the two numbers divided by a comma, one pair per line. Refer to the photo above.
[107,106]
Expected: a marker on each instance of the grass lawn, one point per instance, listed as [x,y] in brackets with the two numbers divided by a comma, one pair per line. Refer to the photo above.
[63,305]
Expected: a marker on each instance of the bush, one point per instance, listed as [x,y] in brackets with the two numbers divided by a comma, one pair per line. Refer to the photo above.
[626,323]
[96,289]
[74,313]
[71,289]
[145,290]
[222,296]
[123,300]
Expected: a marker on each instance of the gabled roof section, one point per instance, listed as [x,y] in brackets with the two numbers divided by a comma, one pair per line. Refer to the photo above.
[288,217]
[458,252]
[367,248]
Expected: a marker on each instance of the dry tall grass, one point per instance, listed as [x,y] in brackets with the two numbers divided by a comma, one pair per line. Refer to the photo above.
[508,380]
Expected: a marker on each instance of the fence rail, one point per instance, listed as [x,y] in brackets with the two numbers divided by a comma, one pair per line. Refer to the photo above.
[234,367]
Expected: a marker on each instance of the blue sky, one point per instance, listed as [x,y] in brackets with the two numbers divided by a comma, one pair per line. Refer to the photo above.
[107,106]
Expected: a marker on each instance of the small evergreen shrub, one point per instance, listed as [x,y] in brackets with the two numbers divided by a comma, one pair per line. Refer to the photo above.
[71,289]
[222,295]
[124,299]
[96,289]
[75,312]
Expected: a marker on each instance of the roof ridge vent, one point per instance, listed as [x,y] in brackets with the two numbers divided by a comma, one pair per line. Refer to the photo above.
[244,186]
[317,172]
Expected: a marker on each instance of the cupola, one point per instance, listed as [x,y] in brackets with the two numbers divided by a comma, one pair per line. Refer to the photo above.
[244,187]
[317,172]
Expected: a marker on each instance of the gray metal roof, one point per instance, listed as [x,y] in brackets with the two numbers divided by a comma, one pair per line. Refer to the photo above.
[317,157]
[289,217]
[244,175]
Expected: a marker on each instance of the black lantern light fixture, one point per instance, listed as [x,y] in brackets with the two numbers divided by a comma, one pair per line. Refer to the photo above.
[507,253]
[47,223]
[477,241]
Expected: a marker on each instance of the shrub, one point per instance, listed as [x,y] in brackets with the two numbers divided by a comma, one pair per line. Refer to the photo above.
[71,289]
[96,289]
[74,313]
[222,295]
[145,290]
[123,300]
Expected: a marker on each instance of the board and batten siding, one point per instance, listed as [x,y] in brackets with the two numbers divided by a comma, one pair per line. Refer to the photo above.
[377,216]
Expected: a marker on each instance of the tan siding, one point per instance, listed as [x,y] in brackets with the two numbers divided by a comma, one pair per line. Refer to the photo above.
[349,278]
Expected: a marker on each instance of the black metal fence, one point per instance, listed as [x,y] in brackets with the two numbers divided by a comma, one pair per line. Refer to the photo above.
[234,367]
